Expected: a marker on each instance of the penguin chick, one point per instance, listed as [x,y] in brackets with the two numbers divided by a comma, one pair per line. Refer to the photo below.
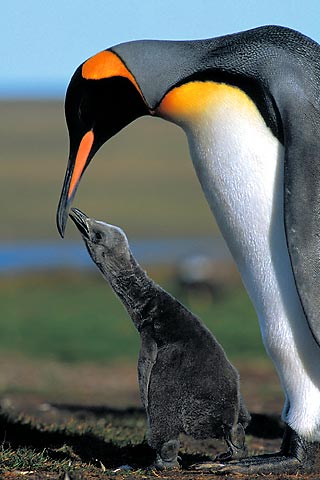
[187,384]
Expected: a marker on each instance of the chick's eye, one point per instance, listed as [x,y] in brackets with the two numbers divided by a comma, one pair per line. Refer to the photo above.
[98,236]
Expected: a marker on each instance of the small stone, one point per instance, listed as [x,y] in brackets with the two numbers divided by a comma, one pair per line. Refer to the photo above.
[123,468]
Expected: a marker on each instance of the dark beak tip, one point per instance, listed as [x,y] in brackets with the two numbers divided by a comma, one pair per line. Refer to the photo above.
[77,214]
[62,212]
[79,219]
[74,210]
[61,225]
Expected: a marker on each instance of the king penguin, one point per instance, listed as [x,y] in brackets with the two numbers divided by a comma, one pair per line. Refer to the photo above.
[187,384]
[249,104]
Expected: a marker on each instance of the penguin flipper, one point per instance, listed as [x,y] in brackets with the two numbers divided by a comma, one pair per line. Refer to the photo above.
[147,358]
[301,127]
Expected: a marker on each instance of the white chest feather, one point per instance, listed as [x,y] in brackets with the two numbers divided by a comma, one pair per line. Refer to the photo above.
[240,165]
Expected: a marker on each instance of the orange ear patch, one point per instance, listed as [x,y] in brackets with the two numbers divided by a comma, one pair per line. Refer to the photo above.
[191,100]
[106,64]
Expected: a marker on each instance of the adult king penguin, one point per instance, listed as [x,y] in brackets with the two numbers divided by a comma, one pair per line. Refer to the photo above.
[250,106]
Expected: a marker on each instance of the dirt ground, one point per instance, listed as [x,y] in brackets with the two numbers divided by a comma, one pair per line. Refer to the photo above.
[60,394]
[26,383]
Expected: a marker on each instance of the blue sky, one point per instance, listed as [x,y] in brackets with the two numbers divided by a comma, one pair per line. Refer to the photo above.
[42,42]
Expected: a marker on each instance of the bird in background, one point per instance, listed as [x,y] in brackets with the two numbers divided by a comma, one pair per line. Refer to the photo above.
[249,104]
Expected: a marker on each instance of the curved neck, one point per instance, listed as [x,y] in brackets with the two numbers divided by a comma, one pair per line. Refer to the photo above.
[132,285]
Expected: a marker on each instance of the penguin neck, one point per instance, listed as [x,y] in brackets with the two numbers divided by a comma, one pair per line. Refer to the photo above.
[132,285]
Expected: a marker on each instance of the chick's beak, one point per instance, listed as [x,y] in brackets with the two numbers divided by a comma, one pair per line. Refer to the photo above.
[80,220]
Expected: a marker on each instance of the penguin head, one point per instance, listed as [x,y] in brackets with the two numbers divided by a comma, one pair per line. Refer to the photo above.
[107,244]
[102,98]
[185,82]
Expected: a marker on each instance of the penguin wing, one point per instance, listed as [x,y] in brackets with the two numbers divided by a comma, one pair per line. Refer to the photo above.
[147,358]
[298,103]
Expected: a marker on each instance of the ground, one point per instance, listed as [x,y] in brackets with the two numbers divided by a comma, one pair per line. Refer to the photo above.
[93,423]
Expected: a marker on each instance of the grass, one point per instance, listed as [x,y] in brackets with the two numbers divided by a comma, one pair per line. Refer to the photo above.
[78,447]
[95,448]
[77,318]
[28,460]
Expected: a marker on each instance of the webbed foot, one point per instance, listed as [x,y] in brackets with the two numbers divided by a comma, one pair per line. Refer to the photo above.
[236,442]
[237,449]
[297,455]
[167,458]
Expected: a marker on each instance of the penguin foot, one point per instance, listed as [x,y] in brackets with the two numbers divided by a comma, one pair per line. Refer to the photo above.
[161,464]
[297,455]
[236,442]
[260,464]
[167,458]
[237,449]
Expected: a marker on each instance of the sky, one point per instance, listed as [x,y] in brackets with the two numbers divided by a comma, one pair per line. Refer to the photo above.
[43,42]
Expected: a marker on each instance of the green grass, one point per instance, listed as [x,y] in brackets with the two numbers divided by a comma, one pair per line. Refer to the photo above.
[27,459]
[77,446]
[95,447]
[78,318]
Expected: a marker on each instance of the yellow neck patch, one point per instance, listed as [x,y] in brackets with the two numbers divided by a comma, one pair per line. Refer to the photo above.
[192,100]
[106,64]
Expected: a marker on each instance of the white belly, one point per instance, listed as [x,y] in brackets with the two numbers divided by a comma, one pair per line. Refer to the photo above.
[240,165]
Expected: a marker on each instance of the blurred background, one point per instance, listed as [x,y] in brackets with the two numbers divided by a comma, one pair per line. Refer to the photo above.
[63,334]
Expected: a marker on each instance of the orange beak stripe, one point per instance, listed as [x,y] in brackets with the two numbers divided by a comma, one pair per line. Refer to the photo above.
[81,160]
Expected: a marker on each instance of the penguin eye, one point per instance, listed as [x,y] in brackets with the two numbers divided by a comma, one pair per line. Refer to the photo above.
[98,236]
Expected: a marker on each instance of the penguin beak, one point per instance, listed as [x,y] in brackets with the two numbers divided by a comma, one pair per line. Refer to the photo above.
[80,221]
[76,167]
